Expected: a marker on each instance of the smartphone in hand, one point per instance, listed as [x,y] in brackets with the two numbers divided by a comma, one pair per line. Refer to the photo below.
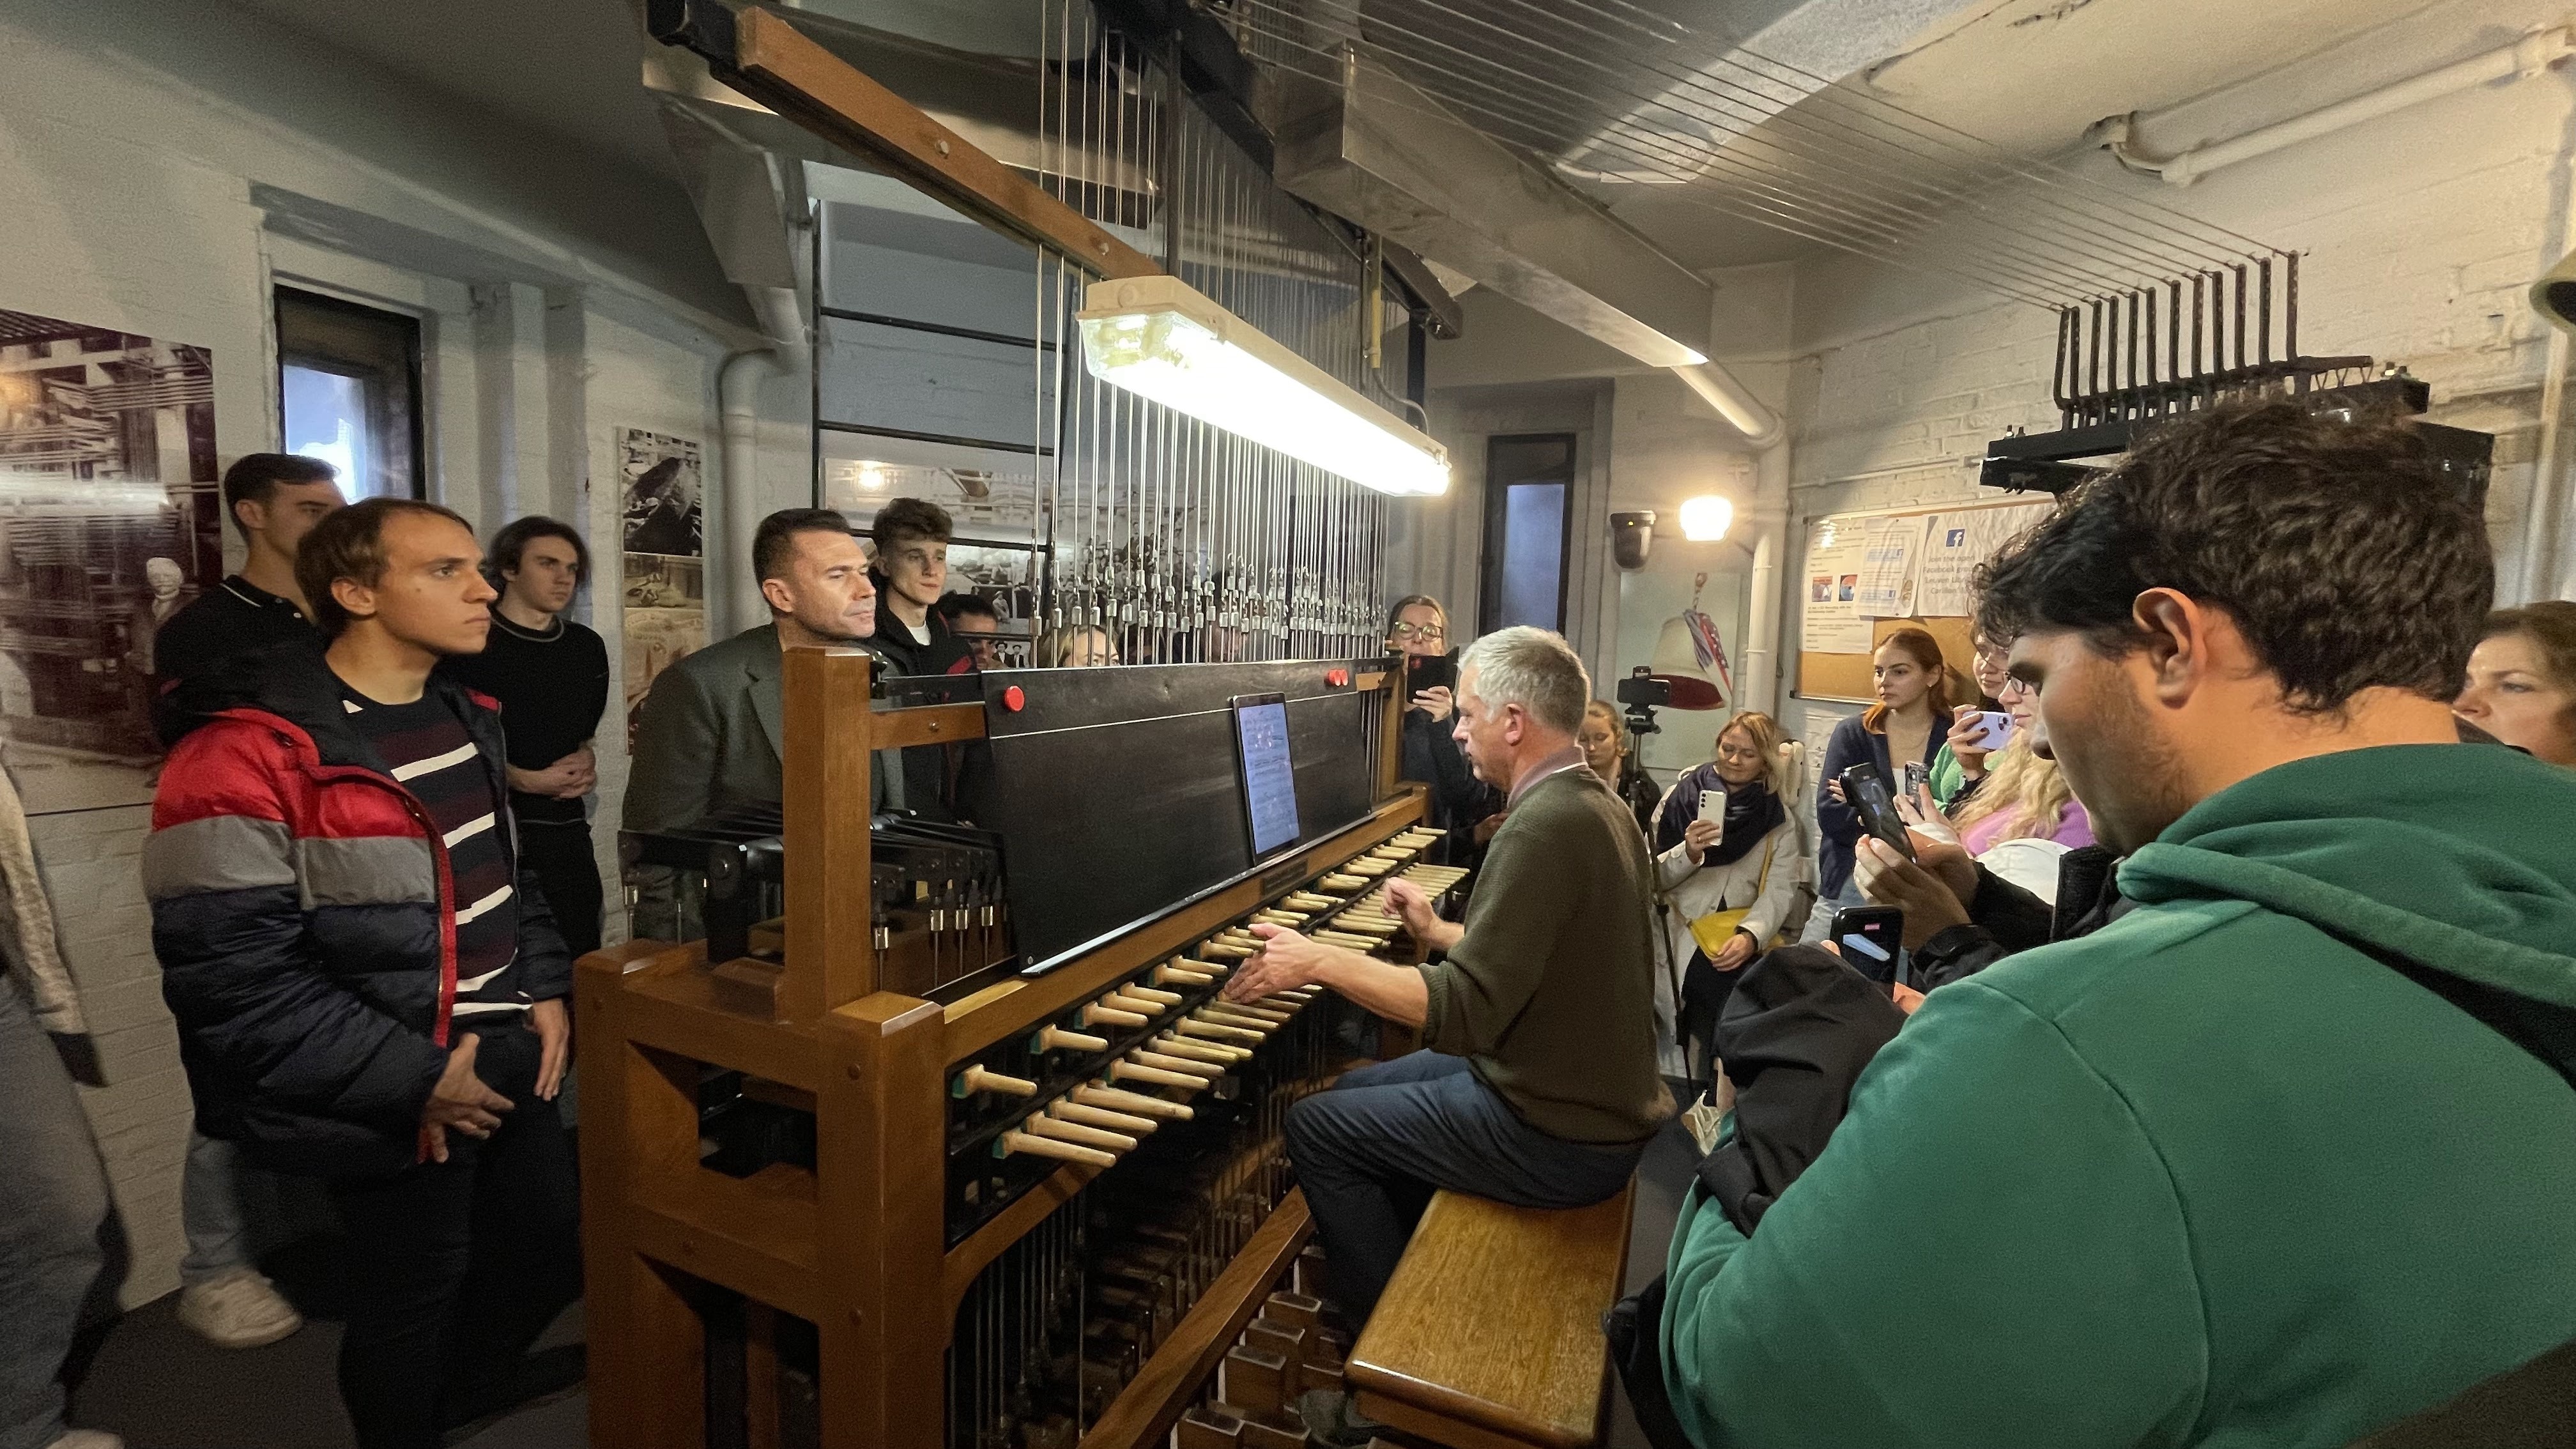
[1865,791]
[1994,730]
[1867,938]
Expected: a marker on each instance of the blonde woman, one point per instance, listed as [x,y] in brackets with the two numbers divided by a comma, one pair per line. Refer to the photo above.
[1726,867]
[2021,797]
[1076,646]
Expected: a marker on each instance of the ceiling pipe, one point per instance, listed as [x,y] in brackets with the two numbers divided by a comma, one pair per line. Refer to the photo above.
[2527,57]
[1733,402]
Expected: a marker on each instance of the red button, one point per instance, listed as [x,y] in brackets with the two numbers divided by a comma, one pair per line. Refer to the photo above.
[1013,700]
[1337,677]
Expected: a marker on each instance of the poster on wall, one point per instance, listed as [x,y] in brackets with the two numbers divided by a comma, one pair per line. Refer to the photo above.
[1955,543]
[111,521]
[1887,567]
[1831,621]
[662,498]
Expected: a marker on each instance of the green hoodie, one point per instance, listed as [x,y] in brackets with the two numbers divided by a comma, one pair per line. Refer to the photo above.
[2208,1176]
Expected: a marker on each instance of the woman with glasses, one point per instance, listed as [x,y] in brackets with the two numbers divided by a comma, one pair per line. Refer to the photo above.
[1960,752]
[1464,806]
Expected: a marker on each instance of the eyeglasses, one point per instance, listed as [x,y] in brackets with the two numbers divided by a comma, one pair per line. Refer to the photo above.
[1417,631]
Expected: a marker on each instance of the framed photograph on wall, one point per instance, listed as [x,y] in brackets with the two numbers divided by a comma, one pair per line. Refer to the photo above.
[111,521]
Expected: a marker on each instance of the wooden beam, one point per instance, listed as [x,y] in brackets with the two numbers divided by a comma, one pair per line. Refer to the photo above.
[768,59]
[831,960]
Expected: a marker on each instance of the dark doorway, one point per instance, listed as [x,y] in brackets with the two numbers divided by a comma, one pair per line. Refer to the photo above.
[1529,489]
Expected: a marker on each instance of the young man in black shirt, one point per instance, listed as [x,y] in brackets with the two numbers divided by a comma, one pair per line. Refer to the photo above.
[908,563]
[274,499]
[551,676]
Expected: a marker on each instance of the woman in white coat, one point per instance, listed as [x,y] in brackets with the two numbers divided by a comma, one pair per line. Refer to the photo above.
[1727,855]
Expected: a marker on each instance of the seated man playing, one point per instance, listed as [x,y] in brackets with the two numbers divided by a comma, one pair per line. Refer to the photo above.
[2286,1151]
[1537,1086]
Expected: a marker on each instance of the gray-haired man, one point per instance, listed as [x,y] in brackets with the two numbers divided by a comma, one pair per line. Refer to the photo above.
[1537,1086]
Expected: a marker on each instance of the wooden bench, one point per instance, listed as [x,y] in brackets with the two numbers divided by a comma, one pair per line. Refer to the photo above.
[1489,1335]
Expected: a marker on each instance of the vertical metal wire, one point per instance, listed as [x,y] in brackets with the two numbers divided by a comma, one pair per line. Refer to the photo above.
[1181,541]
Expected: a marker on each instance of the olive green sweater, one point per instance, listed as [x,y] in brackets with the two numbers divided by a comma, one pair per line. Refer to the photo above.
[1550,994]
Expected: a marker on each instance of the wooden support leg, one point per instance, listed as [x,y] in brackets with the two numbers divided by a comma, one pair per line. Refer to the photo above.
[639,1117]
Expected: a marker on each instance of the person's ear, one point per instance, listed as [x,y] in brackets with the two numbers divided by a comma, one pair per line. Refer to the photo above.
[355,599]
[250,514]
[780,596]
[2178,643]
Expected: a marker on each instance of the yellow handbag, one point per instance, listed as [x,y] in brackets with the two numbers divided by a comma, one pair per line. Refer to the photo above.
[1715,929]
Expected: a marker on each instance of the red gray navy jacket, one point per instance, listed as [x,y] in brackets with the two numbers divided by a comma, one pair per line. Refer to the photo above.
[305,917]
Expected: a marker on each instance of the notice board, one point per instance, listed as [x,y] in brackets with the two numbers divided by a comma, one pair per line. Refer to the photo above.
[1863,576]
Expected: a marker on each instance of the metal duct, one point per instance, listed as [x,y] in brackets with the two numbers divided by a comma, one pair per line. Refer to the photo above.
[1377,150]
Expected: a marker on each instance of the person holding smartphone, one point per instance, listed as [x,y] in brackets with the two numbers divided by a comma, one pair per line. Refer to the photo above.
[1970,736]
[1726,857]
[1469,810]
[1913,686]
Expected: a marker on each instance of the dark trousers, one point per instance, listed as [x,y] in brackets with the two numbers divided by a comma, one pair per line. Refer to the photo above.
[456,1267]
[1370,1152]
[569,875]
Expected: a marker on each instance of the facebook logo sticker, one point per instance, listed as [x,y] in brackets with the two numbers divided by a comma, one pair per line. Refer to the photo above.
[1958,538]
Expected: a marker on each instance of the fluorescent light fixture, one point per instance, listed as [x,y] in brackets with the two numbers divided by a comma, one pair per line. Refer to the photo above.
[1159,338]
[1706,518]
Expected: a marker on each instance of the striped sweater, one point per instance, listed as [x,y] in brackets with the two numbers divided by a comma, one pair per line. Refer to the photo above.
[311,909]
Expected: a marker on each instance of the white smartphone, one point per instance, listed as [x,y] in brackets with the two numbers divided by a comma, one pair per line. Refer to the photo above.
[1712,805]
[1994,730]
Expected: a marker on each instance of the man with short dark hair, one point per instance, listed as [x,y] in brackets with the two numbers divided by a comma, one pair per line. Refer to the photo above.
[274,500]
[908,564]
[2287,1151]
[550,674]
[1537,1084]
[367,985]
[711,736]
[972,627]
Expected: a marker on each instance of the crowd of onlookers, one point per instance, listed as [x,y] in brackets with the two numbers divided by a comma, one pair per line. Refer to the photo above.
[2218,1090]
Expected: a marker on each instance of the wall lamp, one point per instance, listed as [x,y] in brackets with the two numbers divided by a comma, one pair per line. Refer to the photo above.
[1161,339]
[1706,518]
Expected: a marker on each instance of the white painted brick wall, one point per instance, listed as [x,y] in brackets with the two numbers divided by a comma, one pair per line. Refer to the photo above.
[2413,253]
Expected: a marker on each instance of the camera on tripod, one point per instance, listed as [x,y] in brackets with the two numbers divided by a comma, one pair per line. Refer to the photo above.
[1643,694]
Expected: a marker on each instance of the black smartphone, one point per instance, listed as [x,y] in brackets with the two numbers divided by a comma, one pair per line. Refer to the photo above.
[1428,671]
[1868,937]
[1865,791]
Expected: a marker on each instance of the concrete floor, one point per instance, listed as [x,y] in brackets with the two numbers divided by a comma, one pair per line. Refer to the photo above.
[161,1386]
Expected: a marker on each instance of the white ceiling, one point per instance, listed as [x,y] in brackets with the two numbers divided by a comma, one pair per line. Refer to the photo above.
[2027,75]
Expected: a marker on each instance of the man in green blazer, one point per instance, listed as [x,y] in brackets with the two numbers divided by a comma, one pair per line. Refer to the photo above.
[712,737]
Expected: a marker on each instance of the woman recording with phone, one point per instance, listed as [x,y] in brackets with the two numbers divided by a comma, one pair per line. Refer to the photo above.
[1905,726]
[1726,865]
[1464,806]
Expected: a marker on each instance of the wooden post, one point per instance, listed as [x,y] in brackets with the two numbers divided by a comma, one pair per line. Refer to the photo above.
[1390,765]
[639,1118]
[882,1174]
[831,954]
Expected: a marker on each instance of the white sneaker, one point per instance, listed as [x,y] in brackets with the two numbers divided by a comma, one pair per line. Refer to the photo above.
[87,1439]
[238,1309]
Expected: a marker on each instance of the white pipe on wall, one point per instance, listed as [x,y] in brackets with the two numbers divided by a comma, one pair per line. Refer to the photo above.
[1761,690]
[738,385]
[2526,57]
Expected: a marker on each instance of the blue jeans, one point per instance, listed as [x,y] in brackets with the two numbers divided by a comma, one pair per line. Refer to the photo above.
[1371,1151]
[53,1201]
